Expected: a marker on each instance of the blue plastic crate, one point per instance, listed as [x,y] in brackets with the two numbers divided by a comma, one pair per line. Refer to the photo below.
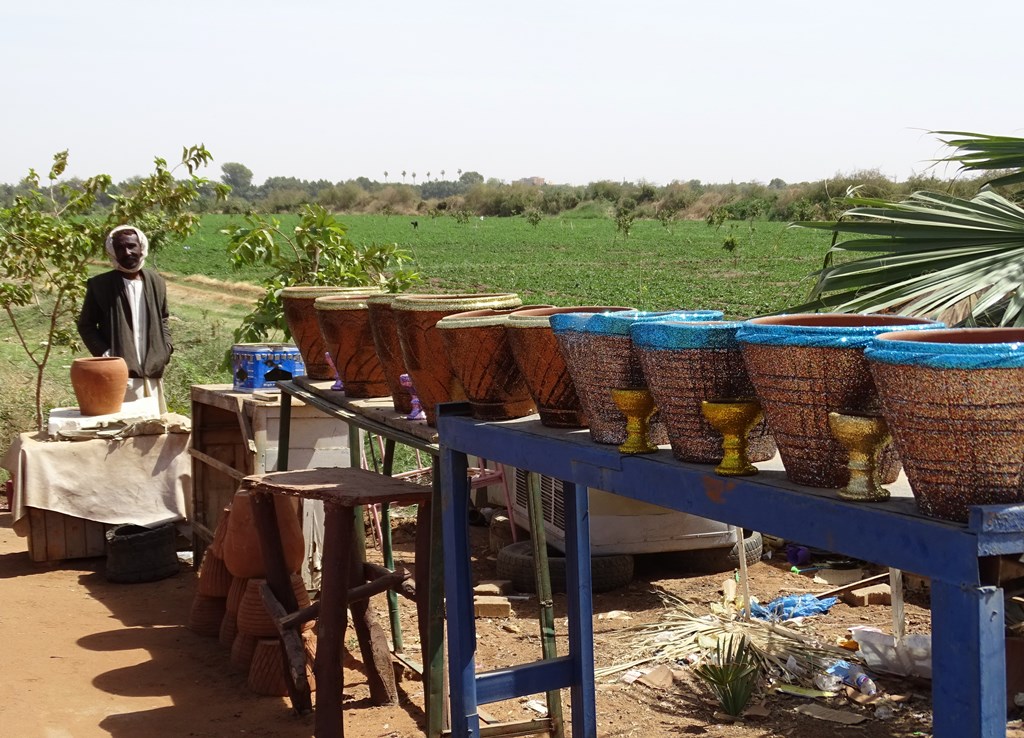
[257,366]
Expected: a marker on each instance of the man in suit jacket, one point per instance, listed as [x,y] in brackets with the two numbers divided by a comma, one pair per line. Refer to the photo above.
[125,314]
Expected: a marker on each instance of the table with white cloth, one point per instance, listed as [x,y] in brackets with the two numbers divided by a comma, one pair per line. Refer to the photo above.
[67,491]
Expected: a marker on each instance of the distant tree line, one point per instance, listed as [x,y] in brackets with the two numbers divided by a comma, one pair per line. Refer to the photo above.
[471,194]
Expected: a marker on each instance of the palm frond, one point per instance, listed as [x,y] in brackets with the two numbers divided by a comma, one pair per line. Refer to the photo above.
[983,152]
[929,255]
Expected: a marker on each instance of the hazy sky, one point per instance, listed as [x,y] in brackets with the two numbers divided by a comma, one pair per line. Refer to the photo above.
[566,90]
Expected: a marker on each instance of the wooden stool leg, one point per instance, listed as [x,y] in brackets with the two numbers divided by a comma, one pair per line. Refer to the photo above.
[330,634]
[373,643]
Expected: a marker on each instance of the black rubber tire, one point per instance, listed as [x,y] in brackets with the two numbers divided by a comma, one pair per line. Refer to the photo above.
[515,563]
[136,554]
[713,560]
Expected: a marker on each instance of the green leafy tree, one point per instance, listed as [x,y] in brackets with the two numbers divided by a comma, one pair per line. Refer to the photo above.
[932,254]
[625,215]
[53,231]
[317,251]
[238,177]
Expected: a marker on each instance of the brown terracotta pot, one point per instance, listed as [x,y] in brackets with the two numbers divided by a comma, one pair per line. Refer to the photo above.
[206,614]
[99,383]
[479,352]
[427,362]
[253,618]
[300,314]
[345,327]
[540,361]
[242,553]
[683,365]
[953,404]
[389,350]
[805,366]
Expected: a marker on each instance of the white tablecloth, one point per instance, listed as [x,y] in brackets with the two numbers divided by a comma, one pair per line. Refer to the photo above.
[142,479]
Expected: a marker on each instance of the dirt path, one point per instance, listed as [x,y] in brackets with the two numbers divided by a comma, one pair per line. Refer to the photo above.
[83,657]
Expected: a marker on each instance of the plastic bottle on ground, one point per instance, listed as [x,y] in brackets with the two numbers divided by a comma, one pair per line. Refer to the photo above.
[854,676]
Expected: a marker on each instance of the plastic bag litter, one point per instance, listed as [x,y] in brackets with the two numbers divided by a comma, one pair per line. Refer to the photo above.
[791,606]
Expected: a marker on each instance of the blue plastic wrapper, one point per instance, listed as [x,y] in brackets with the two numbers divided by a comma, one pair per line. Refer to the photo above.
[792,606]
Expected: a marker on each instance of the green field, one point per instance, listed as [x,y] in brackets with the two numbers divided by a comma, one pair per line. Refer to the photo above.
[561,261]
[572,261]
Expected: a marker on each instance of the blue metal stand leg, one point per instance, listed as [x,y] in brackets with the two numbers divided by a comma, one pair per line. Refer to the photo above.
[968,672]
[581,608]
[459,596]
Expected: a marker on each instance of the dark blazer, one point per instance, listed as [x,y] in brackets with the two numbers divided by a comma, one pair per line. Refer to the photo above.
[105,323]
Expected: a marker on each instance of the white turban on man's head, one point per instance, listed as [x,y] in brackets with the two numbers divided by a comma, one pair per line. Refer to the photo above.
[109,244]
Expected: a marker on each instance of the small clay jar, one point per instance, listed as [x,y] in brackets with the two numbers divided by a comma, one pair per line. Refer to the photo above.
[422,348]
[300,314]
[345,328]
[100,383]
[481,358]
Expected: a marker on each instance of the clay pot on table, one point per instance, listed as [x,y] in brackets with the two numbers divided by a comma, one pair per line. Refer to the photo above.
[423,351]
[953,402]
[481,357]
[685,363]
[598,352]
[540,361]
[99,383]
[345,328]
[804,366]
[300,314]
[389,350]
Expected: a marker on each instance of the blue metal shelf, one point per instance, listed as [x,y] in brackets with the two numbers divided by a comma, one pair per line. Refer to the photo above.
[968,649]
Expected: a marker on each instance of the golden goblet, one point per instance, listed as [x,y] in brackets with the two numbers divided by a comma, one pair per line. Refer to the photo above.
[864,437]
[638,407]
[733,417]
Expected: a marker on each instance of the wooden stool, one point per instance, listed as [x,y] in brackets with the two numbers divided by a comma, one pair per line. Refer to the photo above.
[341,490]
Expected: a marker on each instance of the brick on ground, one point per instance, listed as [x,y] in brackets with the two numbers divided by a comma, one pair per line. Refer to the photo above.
[491,606]
[493,587]
[878,594]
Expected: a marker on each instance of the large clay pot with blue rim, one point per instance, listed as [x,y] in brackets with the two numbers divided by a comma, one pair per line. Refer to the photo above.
[540,361]
[954,403]
[686,363]
[599,354]
[806,365]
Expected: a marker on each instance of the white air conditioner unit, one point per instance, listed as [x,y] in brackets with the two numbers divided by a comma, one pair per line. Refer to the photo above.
[618,525]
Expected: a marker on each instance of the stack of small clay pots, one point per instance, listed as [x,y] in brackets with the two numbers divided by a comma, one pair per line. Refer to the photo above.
[228,604]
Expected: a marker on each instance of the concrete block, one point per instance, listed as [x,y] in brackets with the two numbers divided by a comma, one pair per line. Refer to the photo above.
[493,587]
[490,606]
[878,594]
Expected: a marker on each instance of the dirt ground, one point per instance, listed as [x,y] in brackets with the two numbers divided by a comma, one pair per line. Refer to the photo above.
[84,657]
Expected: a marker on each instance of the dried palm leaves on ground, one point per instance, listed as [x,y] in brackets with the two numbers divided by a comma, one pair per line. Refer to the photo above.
[681,635]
